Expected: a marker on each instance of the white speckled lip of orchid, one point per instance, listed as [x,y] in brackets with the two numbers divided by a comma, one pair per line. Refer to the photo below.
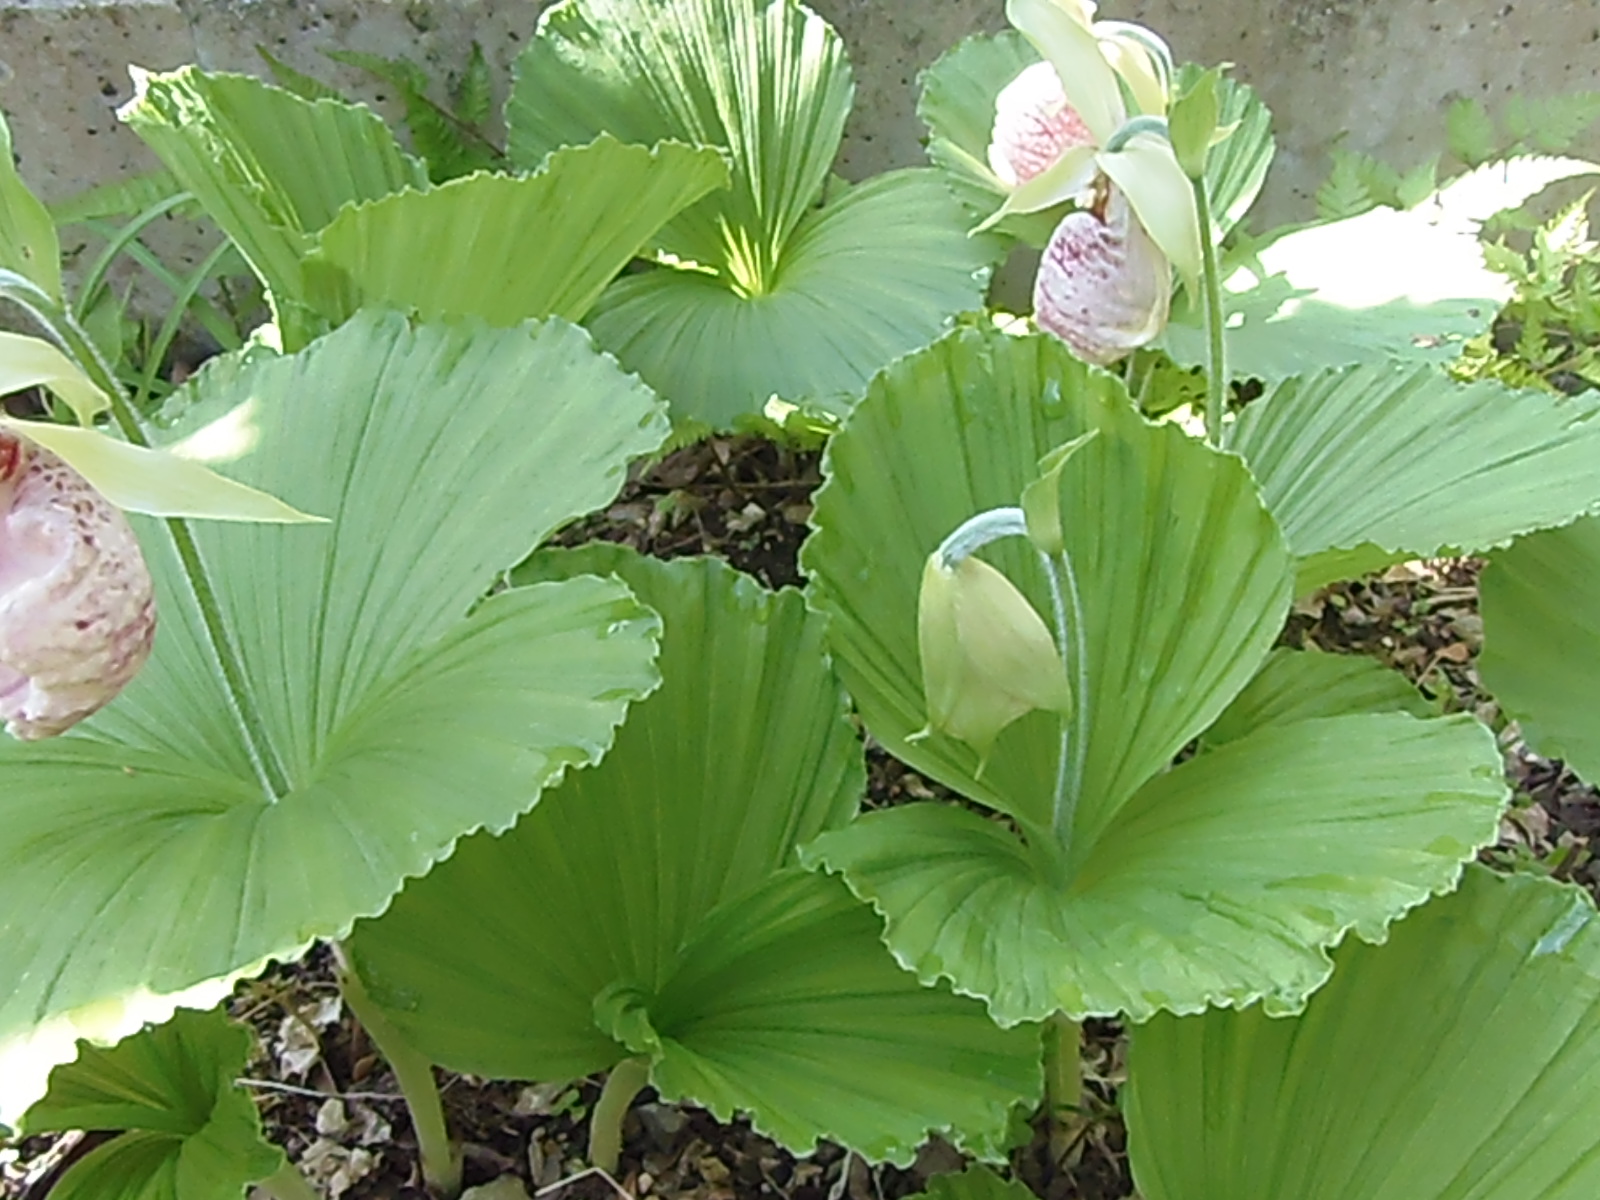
[1033,126]
[1103,285]
[77,608]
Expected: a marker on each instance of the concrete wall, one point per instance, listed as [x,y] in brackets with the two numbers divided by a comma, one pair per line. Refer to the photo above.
[1380,73]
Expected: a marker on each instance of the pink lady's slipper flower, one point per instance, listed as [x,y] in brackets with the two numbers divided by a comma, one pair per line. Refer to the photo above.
[1063,132]
[77,606]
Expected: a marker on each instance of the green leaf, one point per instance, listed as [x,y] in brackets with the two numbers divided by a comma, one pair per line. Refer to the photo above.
[1541,647]
[1381,286]
[121,198]
[1193,121]
[28,243]
[156,847]
[1471,132]
[763,293]
[1372,465]
[298,82]
[866,278]
[956,104]
[975,1183]
[647,908]
[1551,124]
[268,167]
[1222,882]
[765,80]
[1236,167]
[1300,685]
[1183,580]
[1344,193]
[189,1131]
[1459,1060]
[505,248]
[473,93]
[1164,893]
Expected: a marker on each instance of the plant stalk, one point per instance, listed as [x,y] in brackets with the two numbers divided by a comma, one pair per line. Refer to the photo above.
[274,780]
[288,1184]
[1063,1083]
[1216,319]
[441,1165]
[626,1081]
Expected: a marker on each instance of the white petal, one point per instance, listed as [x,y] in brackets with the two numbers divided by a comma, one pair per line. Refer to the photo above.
[33,362]
[158,483]
[1033,126]
[1132,52]
[1103,286]
[1067,44]
[77,608]
[1147,171]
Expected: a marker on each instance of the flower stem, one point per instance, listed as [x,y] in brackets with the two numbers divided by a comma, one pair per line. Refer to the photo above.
[441,1165]
[1216,318]
[627,1080]
[288,1184]
[1063,1082]
[274,780]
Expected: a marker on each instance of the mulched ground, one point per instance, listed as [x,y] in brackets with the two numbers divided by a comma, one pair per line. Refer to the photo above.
[329,1099]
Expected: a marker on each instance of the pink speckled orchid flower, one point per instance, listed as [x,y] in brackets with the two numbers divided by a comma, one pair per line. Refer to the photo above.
[1063,132]
[77,608]
[77,605]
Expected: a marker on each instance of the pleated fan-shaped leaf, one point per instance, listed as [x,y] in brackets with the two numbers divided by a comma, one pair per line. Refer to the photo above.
[652,907]
[270,168]
[1372,465]
[1459,1061]
[1222,880]
[1541,640]
[1300,685]
[382,708]
[506,248]
[774,286]
[185,1129]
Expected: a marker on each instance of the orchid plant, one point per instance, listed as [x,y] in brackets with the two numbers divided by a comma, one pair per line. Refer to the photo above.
[564,812]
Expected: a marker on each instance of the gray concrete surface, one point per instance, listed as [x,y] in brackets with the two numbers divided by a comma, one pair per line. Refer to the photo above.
[1378,73]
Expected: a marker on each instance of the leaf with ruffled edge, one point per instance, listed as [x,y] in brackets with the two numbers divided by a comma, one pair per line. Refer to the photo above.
[770,287]
[649,908]
[1461,1059]
[504,247]
[1220,881]
[1366,466]
[161,845]
[187,1130]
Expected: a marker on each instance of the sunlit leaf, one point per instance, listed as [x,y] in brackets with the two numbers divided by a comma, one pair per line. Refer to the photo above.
[1368,466]
[187,1130]
[162,844]
[506,248]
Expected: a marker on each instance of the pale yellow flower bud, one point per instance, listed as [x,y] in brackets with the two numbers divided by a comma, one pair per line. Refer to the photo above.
[987,656]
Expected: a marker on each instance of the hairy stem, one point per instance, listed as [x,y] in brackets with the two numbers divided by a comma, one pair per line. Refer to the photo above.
[441,1165]
[288,1184]
[270,772]
[1216,319]
[627,1080]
